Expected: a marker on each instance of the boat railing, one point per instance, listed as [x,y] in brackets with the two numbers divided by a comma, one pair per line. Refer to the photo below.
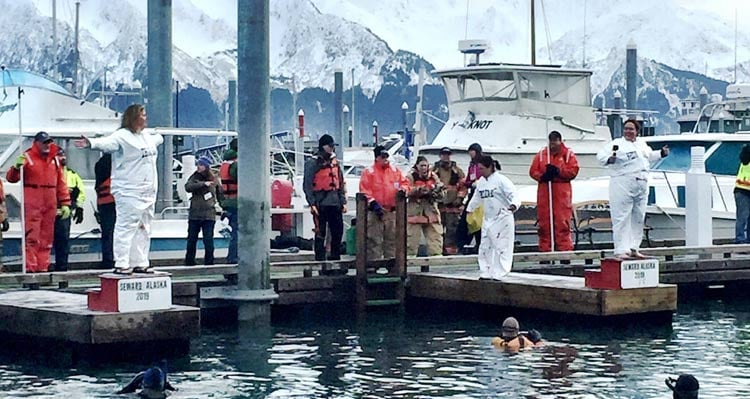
[173,210]
[714,177]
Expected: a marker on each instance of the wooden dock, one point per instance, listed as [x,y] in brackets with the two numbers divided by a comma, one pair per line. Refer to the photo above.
[65,316]
[540,292]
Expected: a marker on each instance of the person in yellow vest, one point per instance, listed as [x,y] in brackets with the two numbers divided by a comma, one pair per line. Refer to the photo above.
[325,192]
[422,214]
[451,206]
[513,340]
[62,225]
[742,199]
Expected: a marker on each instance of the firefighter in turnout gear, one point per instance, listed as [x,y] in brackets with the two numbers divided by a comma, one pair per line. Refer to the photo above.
[228,176]
[62,225]
[451,206]
[325,192]
[380,183]
[44,191]
[422,214]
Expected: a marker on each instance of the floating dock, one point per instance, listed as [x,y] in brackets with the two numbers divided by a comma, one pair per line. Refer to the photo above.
[62,316]
[541,292]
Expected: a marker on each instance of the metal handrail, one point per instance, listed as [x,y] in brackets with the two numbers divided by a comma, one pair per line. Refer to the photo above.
[173,208]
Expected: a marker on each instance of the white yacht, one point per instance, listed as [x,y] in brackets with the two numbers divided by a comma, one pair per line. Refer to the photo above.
[510,109]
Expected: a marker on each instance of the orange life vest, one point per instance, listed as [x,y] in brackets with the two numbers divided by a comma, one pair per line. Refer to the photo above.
[228,184]
[103,192]
[328,177]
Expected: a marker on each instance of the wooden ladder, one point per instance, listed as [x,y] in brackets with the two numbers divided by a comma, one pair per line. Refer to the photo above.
[375,288]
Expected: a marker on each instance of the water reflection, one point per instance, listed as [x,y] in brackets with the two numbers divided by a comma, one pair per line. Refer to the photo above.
[387,355]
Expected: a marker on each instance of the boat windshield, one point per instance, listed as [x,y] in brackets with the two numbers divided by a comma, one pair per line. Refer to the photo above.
[502,86]
[15,77]
[723,159]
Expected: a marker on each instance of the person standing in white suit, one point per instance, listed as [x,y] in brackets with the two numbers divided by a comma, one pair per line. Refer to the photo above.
[134,186]
[498,196]
[628,161]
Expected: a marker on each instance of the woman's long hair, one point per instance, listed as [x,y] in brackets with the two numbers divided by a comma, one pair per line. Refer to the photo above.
[130,115]
[488,162]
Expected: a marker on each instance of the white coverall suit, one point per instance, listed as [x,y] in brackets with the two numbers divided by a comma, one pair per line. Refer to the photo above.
[628,190]
[134,185]
[496,194]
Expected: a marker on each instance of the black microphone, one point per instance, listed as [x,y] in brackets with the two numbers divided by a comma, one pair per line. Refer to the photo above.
[614,150]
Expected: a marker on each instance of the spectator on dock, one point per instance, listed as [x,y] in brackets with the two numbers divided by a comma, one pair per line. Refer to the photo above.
[4,225]
[228,176]
[513,339]
[105,206]
[325,192]
[452,205]
[45,195]
[380,183]
[498,196]
[134,186]
[742,198]
[684,387]
[205,188]
[553,168]
[422,214]
[628,160]
[463,237]
[62,225]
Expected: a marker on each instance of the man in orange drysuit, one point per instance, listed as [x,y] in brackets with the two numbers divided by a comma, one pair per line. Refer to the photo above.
[555,165]
[379,183]
[44,191]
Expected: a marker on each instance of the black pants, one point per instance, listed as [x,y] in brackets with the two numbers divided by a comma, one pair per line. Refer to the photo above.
[62,236]
[195,227]
[332,218]
[107,218]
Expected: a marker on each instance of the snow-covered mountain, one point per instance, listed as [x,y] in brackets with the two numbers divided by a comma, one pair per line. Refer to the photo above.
[383,41]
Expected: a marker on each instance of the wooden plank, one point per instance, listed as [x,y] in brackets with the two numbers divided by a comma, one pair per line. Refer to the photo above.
[641,300]
[557,294]
[309,283]
[308,297]
[361,262]
[705,277]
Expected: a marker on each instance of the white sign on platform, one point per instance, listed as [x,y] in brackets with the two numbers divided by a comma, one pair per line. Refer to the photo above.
[639,273]
[144,293]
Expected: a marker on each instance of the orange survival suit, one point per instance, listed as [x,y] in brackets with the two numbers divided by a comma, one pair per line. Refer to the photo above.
[562,196]
[44,190]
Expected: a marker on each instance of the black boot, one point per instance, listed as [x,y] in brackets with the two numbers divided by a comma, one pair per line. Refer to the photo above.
[320,249]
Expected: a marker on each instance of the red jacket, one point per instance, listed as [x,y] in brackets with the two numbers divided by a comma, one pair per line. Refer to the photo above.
[381,184]
[43,178]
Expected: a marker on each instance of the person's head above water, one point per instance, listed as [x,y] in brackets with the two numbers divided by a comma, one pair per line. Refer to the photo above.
[510,328]
[684,387]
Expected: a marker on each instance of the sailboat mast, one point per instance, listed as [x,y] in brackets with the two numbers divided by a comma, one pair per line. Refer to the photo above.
[54,41]
[533,35]
[75,67]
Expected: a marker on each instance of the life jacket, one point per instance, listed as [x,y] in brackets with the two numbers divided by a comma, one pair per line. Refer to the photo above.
[743,177]
[103,192]
[328,177]
[228,184]
[517,343]
[430,182]
[421,210]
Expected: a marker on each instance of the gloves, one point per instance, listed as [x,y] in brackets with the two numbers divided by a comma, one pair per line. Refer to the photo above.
[20,161]
[78,215]
[375,207]
[5,225]
[64,212]
[553,170]
[224,215]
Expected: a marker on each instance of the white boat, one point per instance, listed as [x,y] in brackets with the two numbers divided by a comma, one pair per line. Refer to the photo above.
[510,109]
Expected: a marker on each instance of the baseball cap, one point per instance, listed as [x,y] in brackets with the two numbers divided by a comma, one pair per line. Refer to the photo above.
[446,150]
[42,137]
[381,151]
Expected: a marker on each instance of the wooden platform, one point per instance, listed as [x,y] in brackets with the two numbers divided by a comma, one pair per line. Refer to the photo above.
[64,316]
[541,292]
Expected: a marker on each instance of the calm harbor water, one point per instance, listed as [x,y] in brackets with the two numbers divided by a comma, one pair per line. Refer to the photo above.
[432,356]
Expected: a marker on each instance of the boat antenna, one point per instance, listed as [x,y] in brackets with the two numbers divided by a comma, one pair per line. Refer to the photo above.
[583,62]
[546,33]
[533,35]
[735,45]
[466,27]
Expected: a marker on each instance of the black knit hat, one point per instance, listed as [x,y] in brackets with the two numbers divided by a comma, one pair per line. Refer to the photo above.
[326,139]
[381,151]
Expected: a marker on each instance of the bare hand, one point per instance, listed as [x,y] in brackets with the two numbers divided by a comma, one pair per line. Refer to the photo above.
[314,210]
[83,142]
[343,209]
